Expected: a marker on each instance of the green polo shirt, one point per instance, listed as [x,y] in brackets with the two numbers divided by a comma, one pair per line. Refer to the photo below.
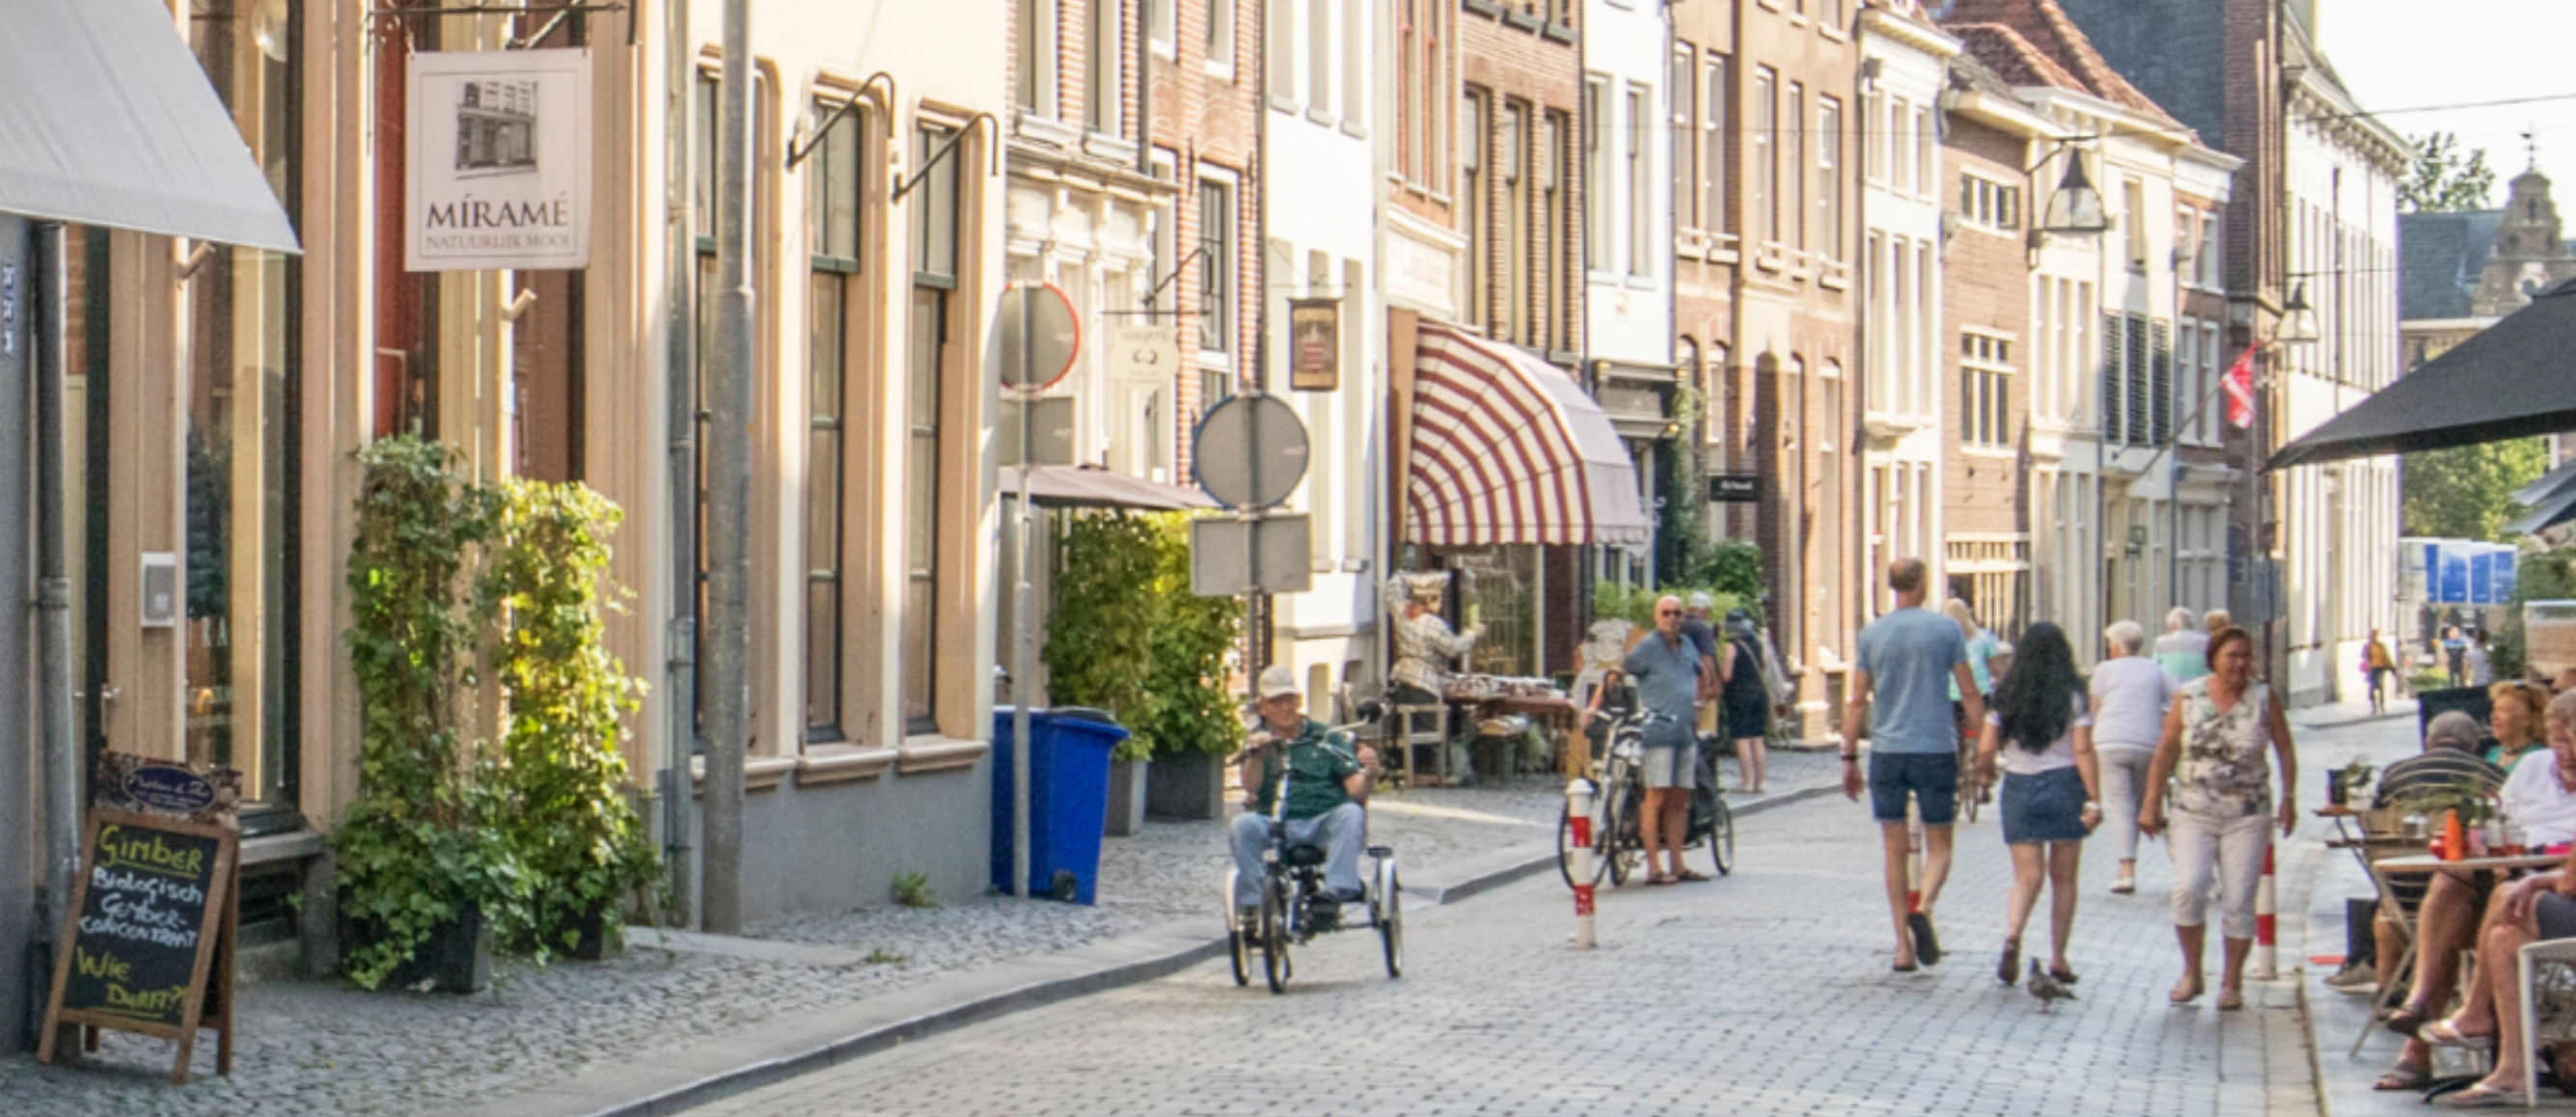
[1318,762]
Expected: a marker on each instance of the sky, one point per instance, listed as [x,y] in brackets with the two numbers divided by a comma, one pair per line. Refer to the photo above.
[2410,54]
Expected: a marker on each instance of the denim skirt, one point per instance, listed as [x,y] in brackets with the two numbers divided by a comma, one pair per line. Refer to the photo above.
[2048,807]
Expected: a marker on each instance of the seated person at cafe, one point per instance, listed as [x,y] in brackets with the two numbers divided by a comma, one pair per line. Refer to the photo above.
[2540,796]
[2513,726]
[2534,908]
[2447,768]
[1327,784]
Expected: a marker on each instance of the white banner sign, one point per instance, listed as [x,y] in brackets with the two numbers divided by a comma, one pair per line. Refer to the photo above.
[499,160]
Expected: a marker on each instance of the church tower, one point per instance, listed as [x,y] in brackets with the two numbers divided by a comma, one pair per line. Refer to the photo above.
[2529,257]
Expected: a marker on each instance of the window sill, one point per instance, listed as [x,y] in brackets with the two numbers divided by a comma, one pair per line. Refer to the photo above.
[1221,71]
[1109,146]
[759,773]
[1832,32]
[1641,282]
[1320,116]
[294,845]
[1485,8]
[1526,21]
[1561,33]
[842,763]
[938,754]
[1354,129]
[1281,102]
[1989,453]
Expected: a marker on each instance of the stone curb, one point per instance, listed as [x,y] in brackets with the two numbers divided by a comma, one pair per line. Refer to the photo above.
[811,1041]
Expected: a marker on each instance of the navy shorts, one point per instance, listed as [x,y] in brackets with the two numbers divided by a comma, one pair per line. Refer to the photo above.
[1932,778]
[2044,807]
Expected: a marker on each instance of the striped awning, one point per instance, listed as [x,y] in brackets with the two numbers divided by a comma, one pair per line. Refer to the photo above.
[1508,449]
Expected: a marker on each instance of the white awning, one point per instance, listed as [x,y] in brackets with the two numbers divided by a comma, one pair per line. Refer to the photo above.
[106,119]
[1066,486]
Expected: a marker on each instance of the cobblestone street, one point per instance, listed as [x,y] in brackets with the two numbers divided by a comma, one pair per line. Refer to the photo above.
[1767,992]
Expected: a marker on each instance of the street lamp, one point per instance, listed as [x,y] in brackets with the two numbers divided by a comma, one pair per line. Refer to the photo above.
[2076,208]
[2298,319]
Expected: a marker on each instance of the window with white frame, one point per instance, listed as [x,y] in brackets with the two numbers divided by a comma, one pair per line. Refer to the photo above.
[1319,54]
[1167,21]
[1829,174]
[1036,84]
[1280,36]
[1216,265]
[1927,152]
[1987,204]
[1596,174]
[1641,206]
[1105,51]
[1795,195]
[1876,137]
[1985,391]
[1900,117]
[1354,62]
[1511,161]
[2210,260]
[1715,167]
[1471,204]
[1685,195]
[1766,152]
[1220,33]
[832,243]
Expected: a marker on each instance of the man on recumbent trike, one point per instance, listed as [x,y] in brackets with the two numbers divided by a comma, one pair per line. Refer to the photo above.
[1328,783]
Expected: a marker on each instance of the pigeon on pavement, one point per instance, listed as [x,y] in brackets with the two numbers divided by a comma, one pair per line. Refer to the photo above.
[2045,987]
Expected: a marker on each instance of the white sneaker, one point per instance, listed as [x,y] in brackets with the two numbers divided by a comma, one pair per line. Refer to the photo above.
[2360,980]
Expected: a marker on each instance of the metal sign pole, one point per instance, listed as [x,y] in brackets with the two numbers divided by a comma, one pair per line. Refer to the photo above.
[1023,670]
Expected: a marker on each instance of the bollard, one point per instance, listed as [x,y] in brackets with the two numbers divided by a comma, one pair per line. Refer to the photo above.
[2264,965]
[1578,812]
[1913,858]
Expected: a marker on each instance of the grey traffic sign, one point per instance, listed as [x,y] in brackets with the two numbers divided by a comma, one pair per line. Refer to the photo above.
[1039,335]
[1250,451]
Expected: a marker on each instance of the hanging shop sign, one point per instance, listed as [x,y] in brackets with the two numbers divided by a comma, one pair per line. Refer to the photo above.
[498,163]
[1735,488]
[1314,344]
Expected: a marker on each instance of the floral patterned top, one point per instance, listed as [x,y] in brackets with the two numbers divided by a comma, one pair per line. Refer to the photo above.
[2226,768]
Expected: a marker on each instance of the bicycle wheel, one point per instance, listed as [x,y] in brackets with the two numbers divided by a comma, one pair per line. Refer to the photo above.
[1619,841]
[1390,921]
[1721,838]
[1238,938]
[1274,935]
[1565,846]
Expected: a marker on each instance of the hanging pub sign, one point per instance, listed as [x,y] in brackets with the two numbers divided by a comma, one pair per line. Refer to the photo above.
[1314,344]
[498,164]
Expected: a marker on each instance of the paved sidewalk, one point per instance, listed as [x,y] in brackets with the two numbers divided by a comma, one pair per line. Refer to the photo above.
[678,1010]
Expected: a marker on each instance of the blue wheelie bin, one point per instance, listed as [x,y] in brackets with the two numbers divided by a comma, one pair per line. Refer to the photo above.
[1068,799]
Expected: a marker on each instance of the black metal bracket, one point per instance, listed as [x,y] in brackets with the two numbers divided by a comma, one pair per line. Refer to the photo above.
[1177,269]
[560,12]
[904,187]
[796,152]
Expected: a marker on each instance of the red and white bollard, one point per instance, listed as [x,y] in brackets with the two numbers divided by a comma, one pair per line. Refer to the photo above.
[1578,813]
[2265,963]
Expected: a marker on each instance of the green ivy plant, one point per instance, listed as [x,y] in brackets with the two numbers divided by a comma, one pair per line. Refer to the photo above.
[1098,639]
[545,595]
[533,829]
[423,840]
[1189,709]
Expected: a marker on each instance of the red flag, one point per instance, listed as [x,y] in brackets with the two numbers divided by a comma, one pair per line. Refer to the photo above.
[2240,389]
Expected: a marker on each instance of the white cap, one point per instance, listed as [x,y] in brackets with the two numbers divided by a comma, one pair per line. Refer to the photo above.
[1277,680]
[1700,601]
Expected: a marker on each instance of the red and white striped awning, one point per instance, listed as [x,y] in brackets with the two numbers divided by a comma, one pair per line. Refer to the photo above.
[1508,449]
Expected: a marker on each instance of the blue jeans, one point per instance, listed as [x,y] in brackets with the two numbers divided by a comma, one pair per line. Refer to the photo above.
[1341,831]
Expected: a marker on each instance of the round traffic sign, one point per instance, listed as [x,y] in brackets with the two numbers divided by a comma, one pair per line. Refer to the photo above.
[1250,451]
[1039,335]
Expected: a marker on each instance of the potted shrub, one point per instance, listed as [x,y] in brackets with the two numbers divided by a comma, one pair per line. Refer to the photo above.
[424,866]
[1191,720]
[1099,637]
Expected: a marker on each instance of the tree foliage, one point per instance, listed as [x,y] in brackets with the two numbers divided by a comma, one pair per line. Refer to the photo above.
[2445,178]
[2463,492]
[1129,637]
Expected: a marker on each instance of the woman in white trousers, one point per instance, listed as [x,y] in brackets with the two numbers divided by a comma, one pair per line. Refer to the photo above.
[2214,743]
[2130,696]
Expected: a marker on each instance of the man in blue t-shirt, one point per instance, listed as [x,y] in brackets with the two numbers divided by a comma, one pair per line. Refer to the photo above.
[1901,702]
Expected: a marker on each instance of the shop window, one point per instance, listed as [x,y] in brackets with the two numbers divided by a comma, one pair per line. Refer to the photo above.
[239,487]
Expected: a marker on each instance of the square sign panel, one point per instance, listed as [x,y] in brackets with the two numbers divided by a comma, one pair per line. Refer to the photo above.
[1267,555]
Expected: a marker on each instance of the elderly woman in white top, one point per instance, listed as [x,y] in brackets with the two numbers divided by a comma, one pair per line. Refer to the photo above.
[2184,648]
[2215,741]
[2130,696]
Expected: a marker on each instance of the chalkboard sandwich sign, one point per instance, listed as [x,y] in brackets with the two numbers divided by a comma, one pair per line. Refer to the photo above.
[150,935]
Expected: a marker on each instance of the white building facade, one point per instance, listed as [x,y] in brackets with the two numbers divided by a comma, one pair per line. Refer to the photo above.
[2337,539]
[1627,143]
[1321,202]
[1904,351]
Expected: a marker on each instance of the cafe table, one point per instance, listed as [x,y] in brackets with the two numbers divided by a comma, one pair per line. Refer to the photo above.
[2382,875]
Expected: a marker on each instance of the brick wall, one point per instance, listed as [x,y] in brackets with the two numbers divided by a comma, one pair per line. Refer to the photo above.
[1986,286]
[1206,120]
[1514,60]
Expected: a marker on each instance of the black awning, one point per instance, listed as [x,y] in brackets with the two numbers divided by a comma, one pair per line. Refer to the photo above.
[2511,380]
[110,122]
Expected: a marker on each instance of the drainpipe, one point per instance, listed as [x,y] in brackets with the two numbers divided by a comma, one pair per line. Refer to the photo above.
[679,800]
[53,586]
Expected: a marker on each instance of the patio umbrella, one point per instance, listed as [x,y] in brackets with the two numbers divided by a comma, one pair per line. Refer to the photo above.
[2513,379]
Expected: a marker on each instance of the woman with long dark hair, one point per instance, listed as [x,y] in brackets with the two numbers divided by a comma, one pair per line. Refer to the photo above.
[2041,730]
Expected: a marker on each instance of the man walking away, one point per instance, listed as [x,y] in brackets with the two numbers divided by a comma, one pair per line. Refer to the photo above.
[1666,668]
[1901,702]
[2377,664]
[2183,651]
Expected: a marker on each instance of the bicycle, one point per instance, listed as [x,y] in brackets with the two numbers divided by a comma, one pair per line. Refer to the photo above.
[1618,845]
[1295,904]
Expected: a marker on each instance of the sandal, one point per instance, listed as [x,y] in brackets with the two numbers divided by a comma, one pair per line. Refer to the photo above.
[2008,970]
[1693,876]
[2187,990]
[2483,1096]
[1658,880]
[2408,1020]
[2443,1033]
[2231,1000]
[2063,977]
[2401,1077]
